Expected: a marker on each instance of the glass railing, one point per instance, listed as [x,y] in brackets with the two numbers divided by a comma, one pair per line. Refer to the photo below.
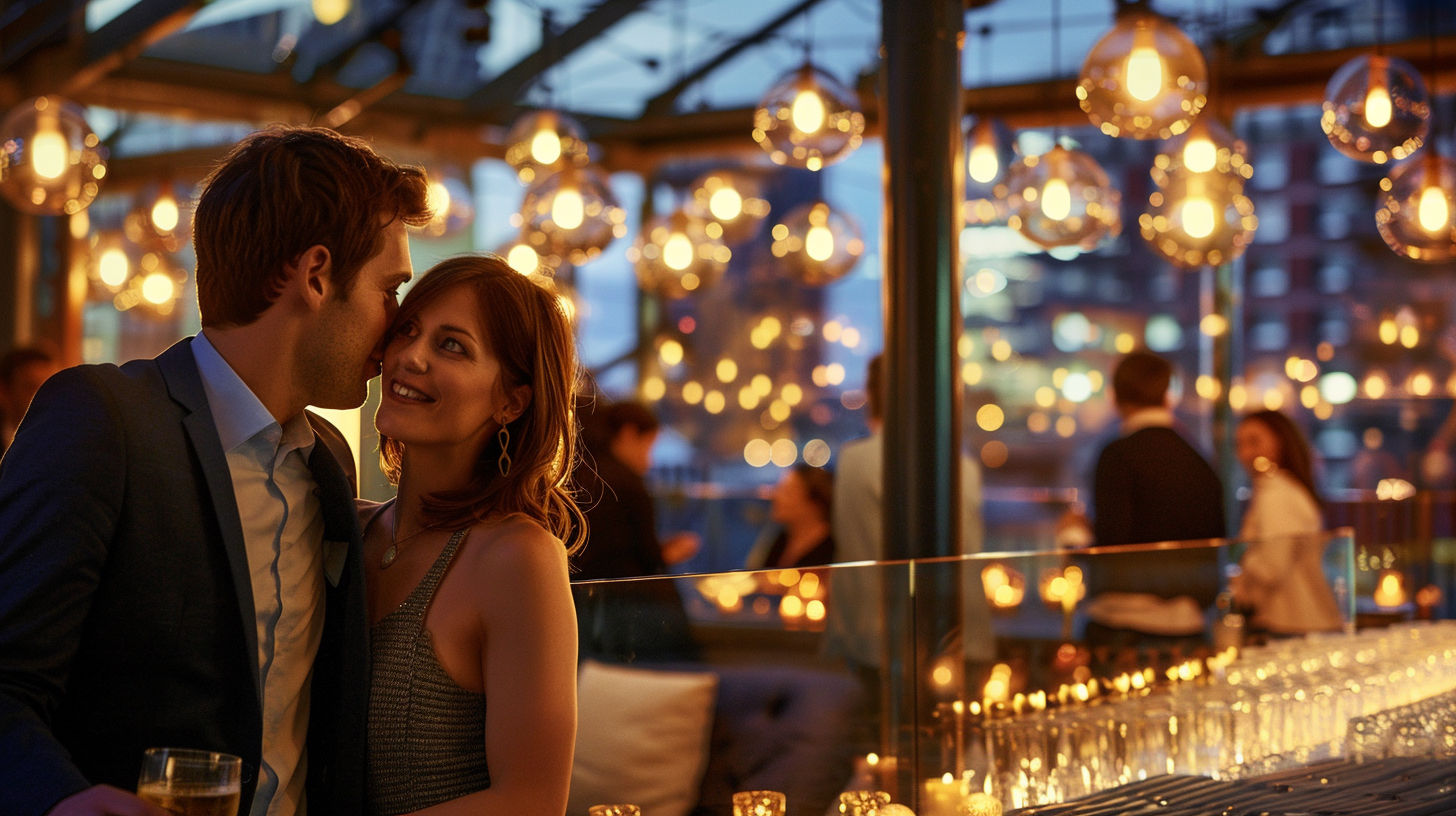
[1034,677]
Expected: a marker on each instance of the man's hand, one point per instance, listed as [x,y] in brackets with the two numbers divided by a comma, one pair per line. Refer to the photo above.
[680,547]
[104,800]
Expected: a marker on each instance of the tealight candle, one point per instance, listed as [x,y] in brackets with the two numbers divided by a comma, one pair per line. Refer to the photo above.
[980,804]
[862,802]
[758,803]
[943,797]
[614,810]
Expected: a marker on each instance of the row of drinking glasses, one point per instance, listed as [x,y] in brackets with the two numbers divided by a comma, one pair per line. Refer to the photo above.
[1421,729]
[1275,707]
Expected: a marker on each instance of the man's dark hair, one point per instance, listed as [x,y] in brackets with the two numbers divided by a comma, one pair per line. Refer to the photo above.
[1141,380]
[875,387]
[281,191]
[602,421]
[21,356]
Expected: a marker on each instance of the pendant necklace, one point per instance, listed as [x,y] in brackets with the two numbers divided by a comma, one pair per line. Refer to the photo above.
[394,540]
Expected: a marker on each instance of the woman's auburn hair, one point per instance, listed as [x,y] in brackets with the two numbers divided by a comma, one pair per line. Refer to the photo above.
[529,333]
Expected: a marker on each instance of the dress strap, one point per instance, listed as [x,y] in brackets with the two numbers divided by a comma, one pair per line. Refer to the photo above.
[419,600]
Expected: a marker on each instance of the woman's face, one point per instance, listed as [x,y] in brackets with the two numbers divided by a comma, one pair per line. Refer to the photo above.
[441,382]
[790,500]
[1257,447]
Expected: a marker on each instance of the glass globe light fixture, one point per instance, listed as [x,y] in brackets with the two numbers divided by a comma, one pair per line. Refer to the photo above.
[451,202]
[808,119]
[1376,109]
[730,202]
[155,286]
[522,257]
[544,141]
[1207,148]
[1063,198]
[50,161]
[1197,219]
[573,214]
[677,255]
[1415,207]
[818,244]
[1144,79]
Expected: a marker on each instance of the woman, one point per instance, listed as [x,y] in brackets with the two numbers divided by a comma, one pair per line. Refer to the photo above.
[1283,578]
[801,506]
[474,632]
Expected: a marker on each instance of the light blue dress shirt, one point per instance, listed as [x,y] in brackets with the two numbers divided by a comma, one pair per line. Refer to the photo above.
[283,527]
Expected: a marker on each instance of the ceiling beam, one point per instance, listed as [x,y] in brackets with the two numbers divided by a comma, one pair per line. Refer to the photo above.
[34,27]
[663,103]
[126,37]
[504,89]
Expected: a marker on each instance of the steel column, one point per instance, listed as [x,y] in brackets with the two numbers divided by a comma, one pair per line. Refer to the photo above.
[922,512]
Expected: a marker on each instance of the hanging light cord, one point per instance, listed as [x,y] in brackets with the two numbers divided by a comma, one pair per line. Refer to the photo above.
[1056,68]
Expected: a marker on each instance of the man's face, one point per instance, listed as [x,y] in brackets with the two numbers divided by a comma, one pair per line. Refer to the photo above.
[345,346]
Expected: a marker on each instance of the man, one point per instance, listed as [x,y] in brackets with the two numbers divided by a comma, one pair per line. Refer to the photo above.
[1151,486]
[636,619]
[621,519]
[179,563]
[855,625]
[22,371]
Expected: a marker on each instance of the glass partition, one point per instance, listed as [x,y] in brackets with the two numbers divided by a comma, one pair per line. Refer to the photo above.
[1034,677]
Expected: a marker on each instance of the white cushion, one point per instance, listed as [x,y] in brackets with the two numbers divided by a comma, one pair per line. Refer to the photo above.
[641,738]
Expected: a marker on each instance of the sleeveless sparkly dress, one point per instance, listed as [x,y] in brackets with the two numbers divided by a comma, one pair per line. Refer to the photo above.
[426,734]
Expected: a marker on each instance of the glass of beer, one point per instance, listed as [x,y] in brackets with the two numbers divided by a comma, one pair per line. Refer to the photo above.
[191,783]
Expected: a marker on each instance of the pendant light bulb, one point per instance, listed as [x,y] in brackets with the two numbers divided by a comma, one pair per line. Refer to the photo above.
[983,165]
[725,203]
[808,112]
[1434,211]
[1377,100]
[819,243]
[1199,154]
[677,252]
[1056,199]
[1144,67]
[568,210]
[545,146]
[48,149]
[114,267]
[165,214]
[328,12]
[1198,217]
[523,259]
[437,198]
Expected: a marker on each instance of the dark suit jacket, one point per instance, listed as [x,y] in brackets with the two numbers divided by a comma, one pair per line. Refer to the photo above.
[621,523]
[126,608]
[1153,486]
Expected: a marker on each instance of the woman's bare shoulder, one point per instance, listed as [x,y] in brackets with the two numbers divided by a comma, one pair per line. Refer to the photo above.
[512,549]
[367,510]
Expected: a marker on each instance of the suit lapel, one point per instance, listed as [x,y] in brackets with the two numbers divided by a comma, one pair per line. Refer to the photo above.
[179,370]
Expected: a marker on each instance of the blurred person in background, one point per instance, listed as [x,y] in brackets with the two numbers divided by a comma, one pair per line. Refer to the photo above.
[800,507]
[1151,486]
[626,620]
[623,540]
[1282,574]
[22,371]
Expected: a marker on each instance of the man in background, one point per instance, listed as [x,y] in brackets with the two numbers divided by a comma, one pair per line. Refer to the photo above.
[855,623]
[22,371]
[1151,486]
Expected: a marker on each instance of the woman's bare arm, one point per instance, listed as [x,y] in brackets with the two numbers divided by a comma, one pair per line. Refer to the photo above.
[528,661]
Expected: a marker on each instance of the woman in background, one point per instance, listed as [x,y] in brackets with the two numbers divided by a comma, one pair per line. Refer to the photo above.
[1283,577]
[800,504]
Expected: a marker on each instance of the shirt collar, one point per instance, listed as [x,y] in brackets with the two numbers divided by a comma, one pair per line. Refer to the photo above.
[237,411]
[1156,417]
